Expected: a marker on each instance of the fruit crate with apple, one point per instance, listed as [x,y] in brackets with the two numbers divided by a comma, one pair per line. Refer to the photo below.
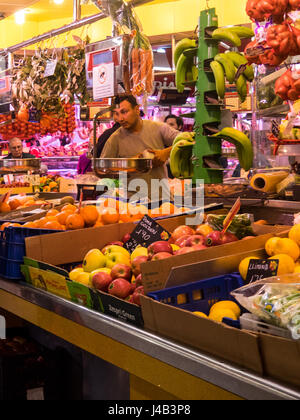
[201,295]
[12,247]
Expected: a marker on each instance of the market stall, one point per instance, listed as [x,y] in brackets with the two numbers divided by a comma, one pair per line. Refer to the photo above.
[147,285]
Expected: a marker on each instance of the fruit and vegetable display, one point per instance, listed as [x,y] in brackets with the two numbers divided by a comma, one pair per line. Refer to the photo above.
[17,202]
[186,71]
[181,155]
[266,97]
[49,183]
[287,87]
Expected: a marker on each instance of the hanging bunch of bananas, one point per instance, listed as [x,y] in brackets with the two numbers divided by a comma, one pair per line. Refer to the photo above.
[181,156]
[242,143]
[226,66]
[186,71]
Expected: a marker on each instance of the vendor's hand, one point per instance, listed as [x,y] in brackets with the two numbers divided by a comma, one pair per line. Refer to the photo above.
[160,156]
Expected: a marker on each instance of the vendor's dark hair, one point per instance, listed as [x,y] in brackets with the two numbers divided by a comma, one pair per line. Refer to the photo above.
[129,98]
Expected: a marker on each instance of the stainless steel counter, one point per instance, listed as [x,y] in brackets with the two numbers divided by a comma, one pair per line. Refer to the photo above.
[209,369]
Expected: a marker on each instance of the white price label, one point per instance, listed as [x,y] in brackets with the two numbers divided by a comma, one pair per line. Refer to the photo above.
[50,68]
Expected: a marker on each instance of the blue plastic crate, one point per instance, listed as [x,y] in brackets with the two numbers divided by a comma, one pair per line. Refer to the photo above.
[201,295]
[12,249]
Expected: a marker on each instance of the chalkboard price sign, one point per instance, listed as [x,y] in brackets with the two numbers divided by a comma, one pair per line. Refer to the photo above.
[261,269]
[146,232]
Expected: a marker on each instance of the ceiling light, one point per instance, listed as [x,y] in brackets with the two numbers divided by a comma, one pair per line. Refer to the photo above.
[161,50]
[58,1]
[20,17]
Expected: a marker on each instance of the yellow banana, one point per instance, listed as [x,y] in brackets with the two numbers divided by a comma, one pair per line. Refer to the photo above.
[182,45]
[219,78]
[238,60]
[241,86]
[174,161]
[223,34]
[242,31]
[228,66]
[242,143]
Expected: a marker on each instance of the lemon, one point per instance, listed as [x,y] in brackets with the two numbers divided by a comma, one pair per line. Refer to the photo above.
[297,268]
[285,246]
[226,304]
[243,267]
[201,314]
[219,314]
[294,234]
[286,264]
[75,273]
[270,245]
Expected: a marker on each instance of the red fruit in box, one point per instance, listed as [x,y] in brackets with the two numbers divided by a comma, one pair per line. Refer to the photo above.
[219,238]
[194,240]
[199,247]
[119,243]
[138,281]
[182,240]
[181,231]
[161,256]
[184,250]
[126,237]
[136,295]
[121,271]
[136,264]
[120,288]
[101,281]
[159,246]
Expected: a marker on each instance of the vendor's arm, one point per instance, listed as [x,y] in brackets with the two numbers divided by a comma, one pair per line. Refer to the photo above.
[168,135]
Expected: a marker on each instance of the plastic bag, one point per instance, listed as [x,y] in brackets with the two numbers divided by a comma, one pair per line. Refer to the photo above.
[275,300]
[141,65]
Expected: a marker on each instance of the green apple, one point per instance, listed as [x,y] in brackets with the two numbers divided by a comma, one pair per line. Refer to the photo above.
[83,278]
[116,248]
[140,250]
[117,258]
[104,269]
[94,259]
[75,273]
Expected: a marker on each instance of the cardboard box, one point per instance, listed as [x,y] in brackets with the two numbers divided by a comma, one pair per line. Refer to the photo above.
[55,280]
[156,273]
[234,345]
[280,358]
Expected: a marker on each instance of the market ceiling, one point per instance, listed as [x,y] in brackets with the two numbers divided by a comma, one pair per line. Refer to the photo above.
[9,7]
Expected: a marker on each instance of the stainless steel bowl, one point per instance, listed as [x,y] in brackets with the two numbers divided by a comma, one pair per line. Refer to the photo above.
[113,166]
[8,166]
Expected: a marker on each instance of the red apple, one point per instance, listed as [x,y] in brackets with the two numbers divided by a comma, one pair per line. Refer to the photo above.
[120,288]
[119,243]
[136,295]
[138,281]
[121,271]
[181,231]
[161,256]
[184,250]
[129,299]
[199,247]
[194,240]
[136,264]
[159,246]
[101,281]
[126,237]
[182,240]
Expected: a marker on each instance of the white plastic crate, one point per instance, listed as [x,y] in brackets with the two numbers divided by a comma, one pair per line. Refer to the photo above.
[253,323]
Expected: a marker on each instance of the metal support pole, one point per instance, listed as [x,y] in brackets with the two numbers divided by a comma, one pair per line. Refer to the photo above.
[76,10]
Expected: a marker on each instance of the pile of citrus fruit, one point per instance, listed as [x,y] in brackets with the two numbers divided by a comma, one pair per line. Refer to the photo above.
[222,309]
[285,250]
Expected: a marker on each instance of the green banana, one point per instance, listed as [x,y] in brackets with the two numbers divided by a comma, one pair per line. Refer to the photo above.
[219,78]
[195,72]
[182,45]
[238,60]
[241,87]
[181,70]
[242,143]
[242,31]
[187,135]
[174,161]
[223,34]
[228,66]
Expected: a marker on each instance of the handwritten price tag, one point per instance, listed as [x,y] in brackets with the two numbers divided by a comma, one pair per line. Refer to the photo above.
[261,269]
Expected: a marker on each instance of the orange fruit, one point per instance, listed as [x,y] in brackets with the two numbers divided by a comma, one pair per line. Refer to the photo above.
[14,225]
[110,203]
[126,218]
[74,221]
[14,203]
[98,224]
[41,222]
[167,208]
[52,212]
[52,225]
[62,216]
[69,207]
[4,225]
[4,208]
[29,225]
[109,216]
[90,215]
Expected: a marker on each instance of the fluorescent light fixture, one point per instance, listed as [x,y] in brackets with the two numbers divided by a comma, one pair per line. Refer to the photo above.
[20,17]
[161,50]
[58,1]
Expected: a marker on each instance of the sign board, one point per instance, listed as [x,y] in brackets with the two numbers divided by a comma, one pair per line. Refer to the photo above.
[261,269]
[103,81]
[146,232]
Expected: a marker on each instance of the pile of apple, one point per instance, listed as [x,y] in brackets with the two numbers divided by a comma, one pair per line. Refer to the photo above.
[115,271]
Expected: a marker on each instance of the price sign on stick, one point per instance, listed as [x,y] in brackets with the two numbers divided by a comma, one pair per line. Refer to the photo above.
[232,213]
